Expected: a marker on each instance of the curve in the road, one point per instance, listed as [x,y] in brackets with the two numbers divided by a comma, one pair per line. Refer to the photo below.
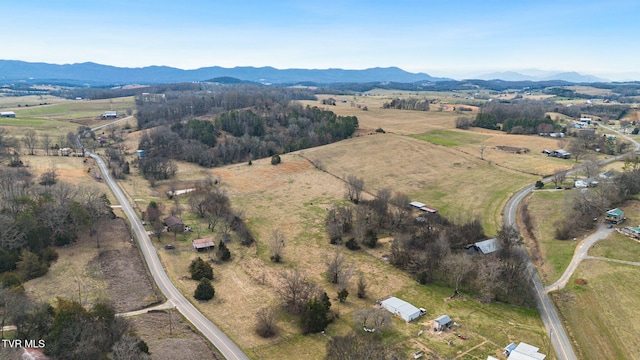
[224,345]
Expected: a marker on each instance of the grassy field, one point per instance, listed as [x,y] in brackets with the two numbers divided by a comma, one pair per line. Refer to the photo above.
[294,197]
[601,314]
[59,116]
[554,255]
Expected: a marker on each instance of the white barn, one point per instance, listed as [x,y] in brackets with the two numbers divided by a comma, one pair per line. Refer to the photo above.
[401,308]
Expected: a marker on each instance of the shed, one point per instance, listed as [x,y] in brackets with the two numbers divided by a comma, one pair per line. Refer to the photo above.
[203,244]
[442,323]
[174,224]
[401,308]
[8,114]
[614,216]
[141,153]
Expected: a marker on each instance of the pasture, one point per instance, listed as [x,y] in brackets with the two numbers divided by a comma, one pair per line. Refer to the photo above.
[294,197]
[601,314]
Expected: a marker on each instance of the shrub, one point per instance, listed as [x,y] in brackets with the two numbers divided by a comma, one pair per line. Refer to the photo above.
[205,290]
[275,159]
[352,244]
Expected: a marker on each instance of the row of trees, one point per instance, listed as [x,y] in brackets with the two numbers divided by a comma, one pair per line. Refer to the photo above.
[407,104]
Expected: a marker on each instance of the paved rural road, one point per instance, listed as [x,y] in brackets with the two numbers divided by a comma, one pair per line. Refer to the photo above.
[224,345]
[548,314]
[550,319]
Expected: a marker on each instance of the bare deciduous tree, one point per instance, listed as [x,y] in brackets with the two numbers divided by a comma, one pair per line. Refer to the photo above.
[457,267]
[362,287]
[591,167]
[276,245]
[46,143]
[30,140]
[355,186]
[295,290]
[558,177]
[336,264]
[376,319]
[266,319]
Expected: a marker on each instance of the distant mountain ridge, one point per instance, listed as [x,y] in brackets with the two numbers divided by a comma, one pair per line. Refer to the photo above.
[540,75]
[97,74]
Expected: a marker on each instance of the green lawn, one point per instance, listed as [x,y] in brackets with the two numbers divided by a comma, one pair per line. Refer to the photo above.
[602,315]
[545,208]
[451,138]
[617,246]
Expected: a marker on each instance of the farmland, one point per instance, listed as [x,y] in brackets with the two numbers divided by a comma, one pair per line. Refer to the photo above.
[462,173]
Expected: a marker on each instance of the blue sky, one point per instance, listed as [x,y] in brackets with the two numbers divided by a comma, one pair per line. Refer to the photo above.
[451,38]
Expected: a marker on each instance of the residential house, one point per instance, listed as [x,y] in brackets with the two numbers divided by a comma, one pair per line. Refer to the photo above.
[614,216]
[174,224]
[485,247]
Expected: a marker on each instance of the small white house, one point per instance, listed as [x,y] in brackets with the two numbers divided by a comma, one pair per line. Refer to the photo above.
[401,308]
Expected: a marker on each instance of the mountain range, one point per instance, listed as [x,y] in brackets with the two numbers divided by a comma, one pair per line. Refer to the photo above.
[541,75]
[90,73]
[97,74]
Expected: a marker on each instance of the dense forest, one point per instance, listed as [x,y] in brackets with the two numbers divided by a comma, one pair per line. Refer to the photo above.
[232,125]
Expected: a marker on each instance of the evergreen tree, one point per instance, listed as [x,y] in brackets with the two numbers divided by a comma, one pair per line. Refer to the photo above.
[205,290]
[200,269]
[223,252]
[314,316]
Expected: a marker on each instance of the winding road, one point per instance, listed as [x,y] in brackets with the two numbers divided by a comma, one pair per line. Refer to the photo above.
[559,339]
[224,345]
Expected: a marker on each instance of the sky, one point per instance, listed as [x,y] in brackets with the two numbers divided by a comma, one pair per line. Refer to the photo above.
[449,38]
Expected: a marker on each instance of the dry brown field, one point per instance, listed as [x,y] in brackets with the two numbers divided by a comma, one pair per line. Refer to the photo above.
[294,197]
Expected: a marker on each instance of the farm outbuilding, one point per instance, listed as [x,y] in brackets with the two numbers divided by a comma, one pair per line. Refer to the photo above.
[442,323]
[109,115]
[202,244]
[523,351]
[401,308]
[8,114]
